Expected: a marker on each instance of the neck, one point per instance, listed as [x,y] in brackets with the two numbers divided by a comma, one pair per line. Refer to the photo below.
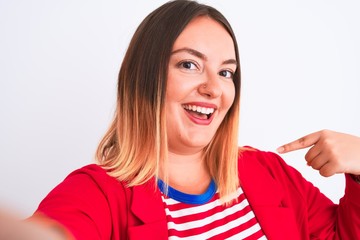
[188,173]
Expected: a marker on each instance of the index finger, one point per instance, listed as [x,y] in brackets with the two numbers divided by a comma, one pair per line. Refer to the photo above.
[304,142]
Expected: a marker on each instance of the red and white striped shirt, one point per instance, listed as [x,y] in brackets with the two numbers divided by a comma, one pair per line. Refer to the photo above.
[204,217]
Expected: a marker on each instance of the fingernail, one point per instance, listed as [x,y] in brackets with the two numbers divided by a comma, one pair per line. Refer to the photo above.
[280,149]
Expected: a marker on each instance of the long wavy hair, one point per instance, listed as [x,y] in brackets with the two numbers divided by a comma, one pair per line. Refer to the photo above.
[135,146]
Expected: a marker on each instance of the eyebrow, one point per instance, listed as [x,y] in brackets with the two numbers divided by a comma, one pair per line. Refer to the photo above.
[201,55]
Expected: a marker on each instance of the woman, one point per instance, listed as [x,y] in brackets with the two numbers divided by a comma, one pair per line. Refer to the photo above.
[169,165]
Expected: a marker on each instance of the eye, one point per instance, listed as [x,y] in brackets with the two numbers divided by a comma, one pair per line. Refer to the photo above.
[226,74]
[188,65]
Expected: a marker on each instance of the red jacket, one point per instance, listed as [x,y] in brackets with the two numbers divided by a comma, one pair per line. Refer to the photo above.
[93,205]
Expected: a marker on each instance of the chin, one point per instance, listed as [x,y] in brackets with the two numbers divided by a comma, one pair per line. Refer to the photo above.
[199,143]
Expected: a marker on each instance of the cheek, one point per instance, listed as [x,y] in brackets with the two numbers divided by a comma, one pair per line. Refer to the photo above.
[172,87]
[169,87]
[178,87]
[230,95]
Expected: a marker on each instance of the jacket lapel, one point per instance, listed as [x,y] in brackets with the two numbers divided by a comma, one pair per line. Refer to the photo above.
[147,206]
[267,199]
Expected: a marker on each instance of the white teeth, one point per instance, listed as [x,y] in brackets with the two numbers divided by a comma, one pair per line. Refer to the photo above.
[203,110]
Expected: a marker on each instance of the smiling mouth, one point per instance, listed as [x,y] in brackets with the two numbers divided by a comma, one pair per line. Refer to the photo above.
[199,112]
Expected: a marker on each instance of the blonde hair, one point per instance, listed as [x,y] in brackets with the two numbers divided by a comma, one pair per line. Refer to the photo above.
[134,148]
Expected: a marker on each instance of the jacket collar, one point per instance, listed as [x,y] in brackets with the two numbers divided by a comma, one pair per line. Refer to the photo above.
[265,195]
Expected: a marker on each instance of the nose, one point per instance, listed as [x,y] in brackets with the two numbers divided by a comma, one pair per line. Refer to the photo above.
[211,86]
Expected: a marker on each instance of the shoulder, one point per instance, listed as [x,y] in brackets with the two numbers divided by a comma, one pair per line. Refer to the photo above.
[265,158]
[93,176]
[262,167]
[87,202]
[253,160]
[93,171]
[91,181]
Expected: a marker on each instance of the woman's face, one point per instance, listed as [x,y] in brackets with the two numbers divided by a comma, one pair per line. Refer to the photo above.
[200,88]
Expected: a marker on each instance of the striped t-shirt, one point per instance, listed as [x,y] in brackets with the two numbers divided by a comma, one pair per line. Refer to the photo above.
[204,217]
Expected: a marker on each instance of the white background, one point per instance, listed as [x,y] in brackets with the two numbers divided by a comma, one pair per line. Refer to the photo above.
[59,62]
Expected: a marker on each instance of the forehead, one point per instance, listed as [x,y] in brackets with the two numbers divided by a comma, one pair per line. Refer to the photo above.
[207,36]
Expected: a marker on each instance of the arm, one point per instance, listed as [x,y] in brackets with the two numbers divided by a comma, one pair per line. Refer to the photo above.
[35,228]
[80,206]
[331,153]
[85,206]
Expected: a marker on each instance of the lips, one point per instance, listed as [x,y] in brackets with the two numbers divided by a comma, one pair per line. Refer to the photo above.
[200,113]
